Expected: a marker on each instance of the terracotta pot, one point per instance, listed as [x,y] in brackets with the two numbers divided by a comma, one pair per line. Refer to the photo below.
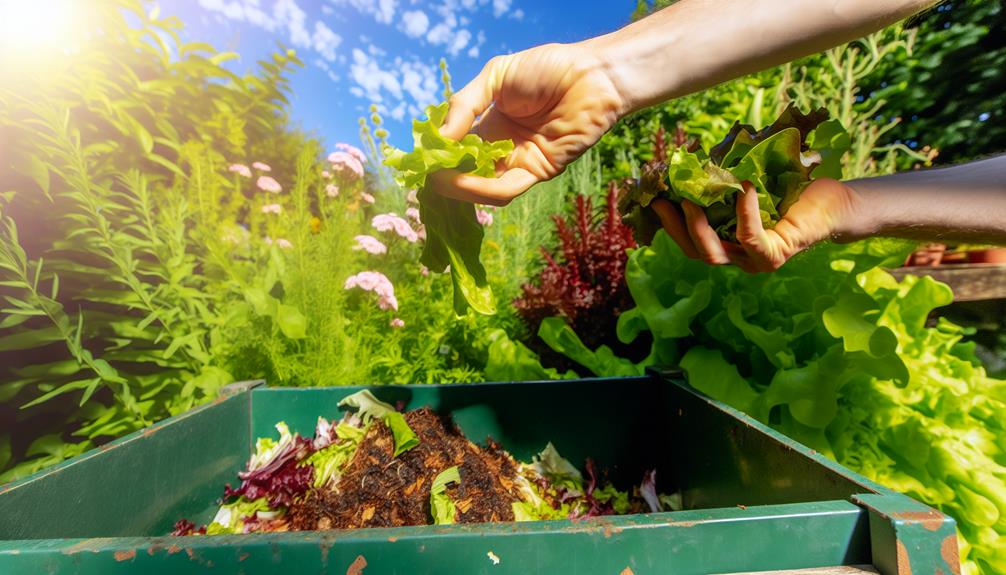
[927,255]
[955,257]
[989,256]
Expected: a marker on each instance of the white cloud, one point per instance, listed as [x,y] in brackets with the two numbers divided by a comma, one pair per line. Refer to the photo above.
[517,14]
[382,10]
[474,51]
[325,41]
[500,7]
[440,34]
[459,42]
[399,86]
[386,11]
[415,23]
[372,79]
[286,17]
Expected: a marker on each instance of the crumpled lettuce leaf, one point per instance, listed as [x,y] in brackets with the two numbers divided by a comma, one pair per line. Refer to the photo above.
[441,507]
[330,461]
[554,466]
[371,408]
[230,518]
[454,236]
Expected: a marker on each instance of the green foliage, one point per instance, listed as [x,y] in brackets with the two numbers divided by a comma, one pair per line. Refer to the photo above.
[954,74]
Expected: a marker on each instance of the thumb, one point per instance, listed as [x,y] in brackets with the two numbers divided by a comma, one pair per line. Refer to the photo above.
[473,99]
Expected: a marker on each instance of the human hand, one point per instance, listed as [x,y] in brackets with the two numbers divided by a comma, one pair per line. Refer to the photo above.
[553,101]
[825,209]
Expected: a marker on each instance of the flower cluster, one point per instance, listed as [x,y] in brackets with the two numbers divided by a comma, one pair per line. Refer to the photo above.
[393,222]
[377,283]
[347,161]
[370,244]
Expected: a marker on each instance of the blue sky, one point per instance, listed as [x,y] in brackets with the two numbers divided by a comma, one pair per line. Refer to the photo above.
[384,51]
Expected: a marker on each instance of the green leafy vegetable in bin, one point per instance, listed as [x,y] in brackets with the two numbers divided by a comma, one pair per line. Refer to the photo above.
[352,474]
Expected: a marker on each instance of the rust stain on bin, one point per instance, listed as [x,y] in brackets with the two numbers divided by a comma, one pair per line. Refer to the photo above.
[356,567]
[392,539]
[950,553]
[930,519]
[125,555]
[627,571]
[173,549]
[904,563]
[243,556]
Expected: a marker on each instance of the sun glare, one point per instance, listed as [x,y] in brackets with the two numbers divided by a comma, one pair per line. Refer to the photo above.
[35,27]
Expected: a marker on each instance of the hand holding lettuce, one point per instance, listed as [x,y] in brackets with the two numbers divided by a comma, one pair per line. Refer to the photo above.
[745,190]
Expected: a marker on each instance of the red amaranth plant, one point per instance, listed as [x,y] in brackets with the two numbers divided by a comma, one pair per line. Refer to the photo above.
[584,279]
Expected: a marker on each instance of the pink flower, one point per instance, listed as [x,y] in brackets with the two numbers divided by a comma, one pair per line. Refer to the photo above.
[272,209]
[332,190]
[412,213]
[240,169]
[484,217]
[411,197]
[377,283]
[326,174]
[393,222]
[267,184]
[421,232]
[344,162]
[424,270]
[352,151]
[370,244]
[367,197]
[397,322]
[261,167]
[282,243]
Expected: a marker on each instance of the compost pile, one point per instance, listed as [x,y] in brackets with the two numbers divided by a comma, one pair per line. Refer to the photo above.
[377,467]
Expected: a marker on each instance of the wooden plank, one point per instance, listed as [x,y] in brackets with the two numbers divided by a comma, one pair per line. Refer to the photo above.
[841,570]
[969,282]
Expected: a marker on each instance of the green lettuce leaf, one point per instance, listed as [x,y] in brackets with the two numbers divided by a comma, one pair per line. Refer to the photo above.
[230,517]
[330,461]
[454,236]
[558,335]
[441,507]
[371,408]
[405,438]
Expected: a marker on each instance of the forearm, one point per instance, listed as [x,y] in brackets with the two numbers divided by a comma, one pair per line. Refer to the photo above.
[695,44]
[964,203]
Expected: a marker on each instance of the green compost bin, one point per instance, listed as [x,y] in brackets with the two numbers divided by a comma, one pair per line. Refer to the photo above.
[754,500]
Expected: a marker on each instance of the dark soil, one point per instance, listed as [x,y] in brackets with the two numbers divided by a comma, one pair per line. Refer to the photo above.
[378,490]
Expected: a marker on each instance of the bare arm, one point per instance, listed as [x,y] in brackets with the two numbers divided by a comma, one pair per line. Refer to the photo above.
[964,203]
[694,44]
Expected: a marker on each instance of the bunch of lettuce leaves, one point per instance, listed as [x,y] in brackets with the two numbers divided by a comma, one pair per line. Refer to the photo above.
[453,234]
[780,161]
